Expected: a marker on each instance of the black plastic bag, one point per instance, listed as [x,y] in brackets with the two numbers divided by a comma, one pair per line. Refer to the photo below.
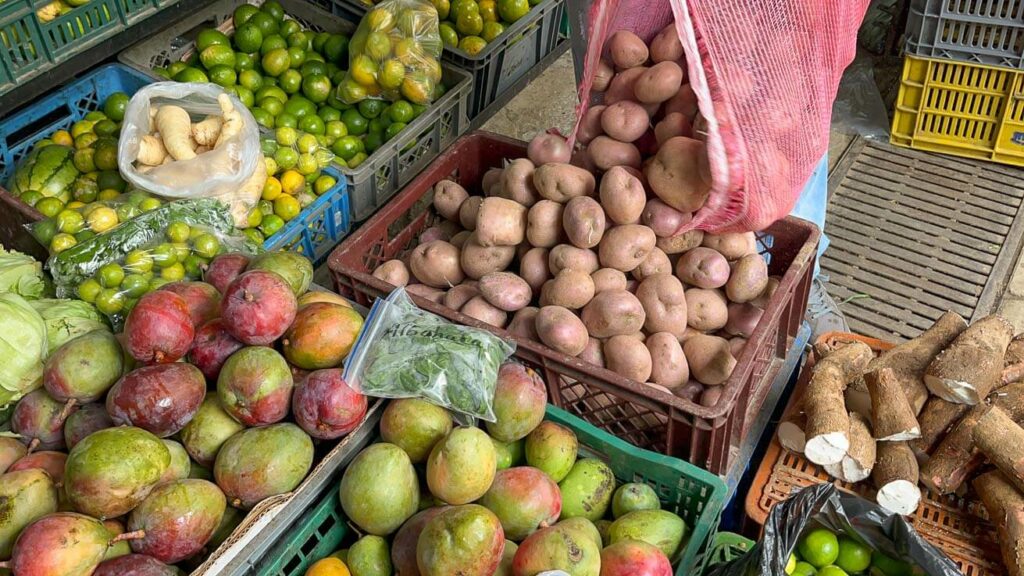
[825,505]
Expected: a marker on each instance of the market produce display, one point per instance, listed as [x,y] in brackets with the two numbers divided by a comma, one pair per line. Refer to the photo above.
[241,371]
[517,497]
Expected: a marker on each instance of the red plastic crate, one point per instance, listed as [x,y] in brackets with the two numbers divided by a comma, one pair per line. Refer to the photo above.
[708,436]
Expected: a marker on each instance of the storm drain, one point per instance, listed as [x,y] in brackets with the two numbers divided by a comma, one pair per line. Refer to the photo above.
[915,234]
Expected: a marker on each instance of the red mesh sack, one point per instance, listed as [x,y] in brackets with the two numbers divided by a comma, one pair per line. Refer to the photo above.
[765,73]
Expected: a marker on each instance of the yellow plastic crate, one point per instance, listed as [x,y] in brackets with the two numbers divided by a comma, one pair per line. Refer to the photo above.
[959,108]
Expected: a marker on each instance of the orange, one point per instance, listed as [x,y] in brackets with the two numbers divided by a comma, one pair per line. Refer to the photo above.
[364,70]
[489,10]
[62,137]
[287,207]
[292,182]
[271,188]
[329,566]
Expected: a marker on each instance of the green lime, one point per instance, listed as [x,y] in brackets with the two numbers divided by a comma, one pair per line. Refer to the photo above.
[244,61]
[114,106]
[401,111]
[393,130]
[377,124]
[512,10]
[149,204]
[299,106]
[470,23]
[273,7]
[492,30]
[173,273]
[95,116]
[174,67]
[270,82]
[335,129]
[286,158]
[211,37]
[336,49]
[265,207]
[819,547]
[85,140]
[254,235]
[356,160]
[223,75]
[276,62]
[328,113]
[191,74]
[265,23]
[371,108]
[178,231]
[317,88]
[319,40]
[299,40]
[269,91]
[307,143]
[311,124]
[444,7]
[272,42]
[347,147]
[854,556]
[286,119]
[374,140]
[354,121]
[105,157]
[263,118]
[245,95]
[378,45]
[472,45]
[272,105]
[206,245]
[61,242]
[351,92]
[109,301]
[803,569]
[287,207]
[289,27]
[31,197]
[110,180]
[181,250]
[69,221]
[251,79]
[323,184]
[217,55]
[271,224]
[791,563]
[290,81]
[136,197]
[89,289]
[110,275]
[164,255]
[889,566]
[296,56]
[157,283]
[138,261]
[248,38]
[135,285]
[127,212]
[313,68]
[831,570]
[286,136]
[307,164]
[243,13]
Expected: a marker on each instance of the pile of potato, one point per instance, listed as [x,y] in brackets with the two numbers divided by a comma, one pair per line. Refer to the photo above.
[589,259]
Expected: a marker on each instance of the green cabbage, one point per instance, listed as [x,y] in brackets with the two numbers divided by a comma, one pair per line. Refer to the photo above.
[67,319]
[21,274]
[22,348]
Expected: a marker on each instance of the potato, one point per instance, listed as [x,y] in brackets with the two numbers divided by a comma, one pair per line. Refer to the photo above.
[765,297]
[457,296]
[459,240]
[685,103]
[622,196]
[590,126]
[711,363]
[664,302]
[523,324]
[743,319]
[666,47]
[546,148]
[672,125]
[733,246]
[468,212]
[517,183]
[602,77]
[505,291]
[736,344]
[706,310]
[663,219]
[427,292]
[625,121]
[544,224]
[478,260]
[681,243]
[703,268]
[626,49]
[709,398]
[668,363]
[562,182]
[625,247]
[688,333]
[490,178]
[621,86]
[680,174]
[581,159]
[583,221]
[748,280]
[657,262]
[431,234]
[607,153]
[533,268]
[436,264]
[658,83]
[571,289]
[593,353]
[393,272]
[608,279]
[561,330]
[690,391]
[500,222]
[568,256]
[482,310]
[628,357]
[448,198]
[613,313]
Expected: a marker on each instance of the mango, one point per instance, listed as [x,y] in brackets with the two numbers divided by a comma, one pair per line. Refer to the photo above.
[116,549]
[369,556]
[466,540]
[321,336]
[10,452]
[160,398]
[552,448]
[559,547]
[505,566]
[379,490]
[208,430]
[111,471]
[326,406]
[180,464]
[84,421]
[587,489]
[135,565]
[660,528]
[44,549]
[520,398]
[228,522]
[461,466]
[49,461]
[583,527]
[403,545]
[633,558]
[415,426]
[84,368]
[39,420]
[295,268]
[25,496]
[258,463]
[255,386]
[632,497]
[524,499]
[178,519]
[509,453]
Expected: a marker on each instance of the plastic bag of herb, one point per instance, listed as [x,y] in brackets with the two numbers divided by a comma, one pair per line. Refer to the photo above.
[406,352]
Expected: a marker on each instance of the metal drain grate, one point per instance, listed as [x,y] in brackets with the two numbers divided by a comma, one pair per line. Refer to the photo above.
[915,234]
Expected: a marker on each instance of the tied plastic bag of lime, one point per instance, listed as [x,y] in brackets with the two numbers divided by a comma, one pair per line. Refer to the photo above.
[395,53]
[406,352]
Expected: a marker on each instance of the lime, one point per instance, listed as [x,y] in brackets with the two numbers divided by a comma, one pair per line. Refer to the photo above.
[512,10]
[290,81]
[803,569]
[292,182]
[265,23]
[194,266]
[211,37]
[492,30]
[297,56]
[307,164]
[110,275]
[831,570]
[173,273]
[217,55]
[319,40]
[63,138]
[110,179]
[328,113]
[335,129]
[272,105]
[298,40]
[357,160]
[286,158]
[272,42]
[853,556]
[127,212]
[378,124]
[134,285]
[271,164]
[254,235]
[149,204]
[374,140]
[83,160]
[61,242]
[323,184]
[347,147]
[105,157]
[401,111]
[271,189]
[69,221]
[181,250]
[393,130]
[174,67]
[114,106]
[178,231]
[190,74]
[470,23]
[460,7]
[251,79]
[289,27]
[270,81]
[313,68]
[109,301]
[472,45]
[371,108]
[443,7]
[307,142]
[85,140]
[102,219]
[378,45]
[791,563]
[93,116]
[164,255]
[89,289]
[223,75]
[350,91]
[488,10]
[273,7]
[271,224]
[136,197]
[286,119]
[889,566]
[244,61]
[336,49]
[31,197]
[263,118]
[157,283]
[248,38]
[287,207]
[276,62]
[265,207]
[312,124]
[299,106]
[206,245]
[268,91]
[317,87]
[354,121]
[81,127]
[286,136]
[254,218]
[243,13]
[819,547]
[138,261]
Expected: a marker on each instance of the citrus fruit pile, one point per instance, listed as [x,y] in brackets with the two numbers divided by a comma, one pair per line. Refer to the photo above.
[823,553]
[470,24]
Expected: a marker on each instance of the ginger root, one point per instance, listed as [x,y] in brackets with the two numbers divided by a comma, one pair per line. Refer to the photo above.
[175,127]
[207,131]
[151,151]
[233,122]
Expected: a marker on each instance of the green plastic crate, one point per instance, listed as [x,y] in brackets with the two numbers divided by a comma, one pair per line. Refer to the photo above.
[694,494]
[726,547]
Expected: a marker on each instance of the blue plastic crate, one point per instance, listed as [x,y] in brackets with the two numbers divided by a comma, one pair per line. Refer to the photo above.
[320,226]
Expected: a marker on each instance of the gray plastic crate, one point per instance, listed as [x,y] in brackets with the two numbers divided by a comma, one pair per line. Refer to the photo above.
[978,31]
[385,171]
